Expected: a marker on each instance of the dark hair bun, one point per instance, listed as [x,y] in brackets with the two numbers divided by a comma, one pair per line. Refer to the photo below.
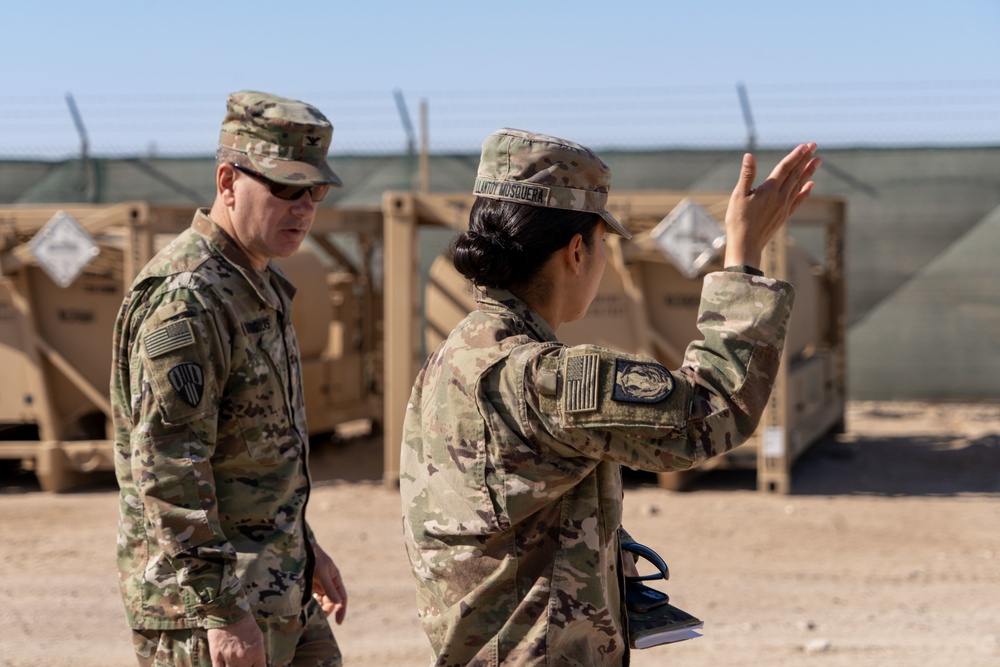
[508,243]
[483,258]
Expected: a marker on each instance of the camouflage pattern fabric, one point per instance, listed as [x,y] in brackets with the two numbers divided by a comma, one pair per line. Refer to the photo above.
[303,640]
[210,440]
[541,170]
[177,648]
[285,140]
[511,458]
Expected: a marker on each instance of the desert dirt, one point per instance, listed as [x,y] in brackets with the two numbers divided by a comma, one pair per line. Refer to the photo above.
[887,552]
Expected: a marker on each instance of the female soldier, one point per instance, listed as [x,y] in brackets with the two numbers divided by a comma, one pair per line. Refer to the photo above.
[513,442]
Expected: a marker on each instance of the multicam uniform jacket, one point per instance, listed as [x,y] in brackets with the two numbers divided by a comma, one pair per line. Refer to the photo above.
[210,439]
[510,474]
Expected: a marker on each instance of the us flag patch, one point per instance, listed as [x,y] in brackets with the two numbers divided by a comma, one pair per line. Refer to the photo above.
[169,338]
[580,386]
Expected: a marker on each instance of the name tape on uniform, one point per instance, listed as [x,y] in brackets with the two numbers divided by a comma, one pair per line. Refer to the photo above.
[523,192]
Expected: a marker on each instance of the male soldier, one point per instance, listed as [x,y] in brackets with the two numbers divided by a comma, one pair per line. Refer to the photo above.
[217,564]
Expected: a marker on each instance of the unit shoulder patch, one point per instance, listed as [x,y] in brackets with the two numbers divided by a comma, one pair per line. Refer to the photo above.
[188,380]
[641,382]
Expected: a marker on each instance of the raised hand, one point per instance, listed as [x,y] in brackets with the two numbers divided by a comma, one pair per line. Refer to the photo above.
[755,214]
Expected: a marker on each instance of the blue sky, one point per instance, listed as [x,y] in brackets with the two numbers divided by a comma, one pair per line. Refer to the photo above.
[153,76]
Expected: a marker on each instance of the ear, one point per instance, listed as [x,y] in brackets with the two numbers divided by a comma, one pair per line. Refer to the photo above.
[225,177]
[575,253]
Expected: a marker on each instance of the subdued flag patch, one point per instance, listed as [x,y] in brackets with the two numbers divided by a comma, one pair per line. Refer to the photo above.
[168,338]
[580,388]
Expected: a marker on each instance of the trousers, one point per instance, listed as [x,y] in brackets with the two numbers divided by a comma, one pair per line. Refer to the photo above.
[303,640]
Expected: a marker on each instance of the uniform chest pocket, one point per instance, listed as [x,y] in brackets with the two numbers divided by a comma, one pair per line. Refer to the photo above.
[259,401]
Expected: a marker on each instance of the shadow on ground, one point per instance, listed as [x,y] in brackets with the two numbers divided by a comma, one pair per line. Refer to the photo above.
[900,466]
[356,459]
[874,465]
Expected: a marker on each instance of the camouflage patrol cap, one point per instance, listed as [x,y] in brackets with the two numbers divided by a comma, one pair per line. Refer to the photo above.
[285,140]
[546,171]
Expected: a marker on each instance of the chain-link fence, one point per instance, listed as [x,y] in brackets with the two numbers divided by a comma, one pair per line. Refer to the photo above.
[889,114]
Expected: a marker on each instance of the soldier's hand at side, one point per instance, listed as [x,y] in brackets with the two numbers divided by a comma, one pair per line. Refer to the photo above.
[755,214]
[327,587]
[238,645]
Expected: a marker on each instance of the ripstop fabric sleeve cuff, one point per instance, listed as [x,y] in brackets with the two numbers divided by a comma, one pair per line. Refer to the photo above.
[224,610]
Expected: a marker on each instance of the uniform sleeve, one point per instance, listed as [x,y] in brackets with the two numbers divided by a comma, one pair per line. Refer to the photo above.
[599,403]
[181,357]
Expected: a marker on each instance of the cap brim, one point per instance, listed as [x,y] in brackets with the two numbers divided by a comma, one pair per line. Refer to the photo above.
[614,225]
[291,172]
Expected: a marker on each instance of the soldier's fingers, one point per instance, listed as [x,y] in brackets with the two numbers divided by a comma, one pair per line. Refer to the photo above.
[793,183]
[804,185]
[342,595]
[332,595]
[326,604]
[801,197]
[335,587]
[341,612]
[810,170]
[783,168]
[333,606]
[792,164]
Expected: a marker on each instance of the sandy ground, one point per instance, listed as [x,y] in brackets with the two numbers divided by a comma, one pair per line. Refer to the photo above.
[886,553]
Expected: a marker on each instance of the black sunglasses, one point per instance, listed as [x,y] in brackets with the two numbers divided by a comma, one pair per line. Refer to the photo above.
[284,191]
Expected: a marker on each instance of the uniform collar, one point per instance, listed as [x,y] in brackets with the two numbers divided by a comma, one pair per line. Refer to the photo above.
[265,282]
[503,302]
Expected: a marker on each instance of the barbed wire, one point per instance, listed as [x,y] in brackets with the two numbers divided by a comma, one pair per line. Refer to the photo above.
[888,114]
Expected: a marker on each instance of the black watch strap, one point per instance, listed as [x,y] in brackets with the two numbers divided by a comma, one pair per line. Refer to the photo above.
[744,268]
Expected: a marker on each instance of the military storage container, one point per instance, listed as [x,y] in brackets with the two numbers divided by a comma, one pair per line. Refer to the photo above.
[647,303]
[63,273]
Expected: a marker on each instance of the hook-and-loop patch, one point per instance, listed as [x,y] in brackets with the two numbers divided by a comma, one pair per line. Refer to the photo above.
[178,364]
[580,382]
[188,380]
[168,338]
[641,382]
